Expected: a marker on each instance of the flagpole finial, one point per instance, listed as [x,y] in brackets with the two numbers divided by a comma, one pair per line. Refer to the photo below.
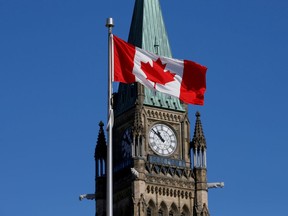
[109,22]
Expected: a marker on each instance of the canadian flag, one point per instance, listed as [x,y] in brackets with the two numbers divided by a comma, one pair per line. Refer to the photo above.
[183,79]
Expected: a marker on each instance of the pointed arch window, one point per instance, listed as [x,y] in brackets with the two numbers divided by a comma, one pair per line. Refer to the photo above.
[160,212]
[185,211]
[171,213]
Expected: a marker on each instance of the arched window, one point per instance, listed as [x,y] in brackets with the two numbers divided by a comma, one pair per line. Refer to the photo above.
[185,211]
[151,208]
[160,212]
[173,210]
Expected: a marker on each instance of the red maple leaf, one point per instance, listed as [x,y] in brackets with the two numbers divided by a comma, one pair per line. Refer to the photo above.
[156,72]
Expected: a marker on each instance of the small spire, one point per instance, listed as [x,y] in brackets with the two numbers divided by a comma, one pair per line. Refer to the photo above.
[198,138]
[100,150]
[101,124]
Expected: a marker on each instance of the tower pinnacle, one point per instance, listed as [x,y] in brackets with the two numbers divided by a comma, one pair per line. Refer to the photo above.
[100,151]
[198,140]
[198,144]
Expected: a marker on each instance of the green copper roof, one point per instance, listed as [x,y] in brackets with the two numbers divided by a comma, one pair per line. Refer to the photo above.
[147,28]
[148,32]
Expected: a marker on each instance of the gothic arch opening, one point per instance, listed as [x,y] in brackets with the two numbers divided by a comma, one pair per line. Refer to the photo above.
[163,210]
[151,208]
[185,211]
[173,210]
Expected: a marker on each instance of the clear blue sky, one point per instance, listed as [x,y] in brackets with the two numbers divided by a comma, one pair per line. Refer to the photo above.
[53,93]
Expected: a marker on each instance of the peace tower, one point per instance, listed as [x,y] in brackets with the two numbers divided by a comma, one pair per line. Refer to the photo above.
[158,167]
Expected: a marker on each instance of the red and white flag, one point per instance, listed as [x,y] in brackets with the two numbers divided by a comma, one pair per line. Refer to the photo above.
[183,79]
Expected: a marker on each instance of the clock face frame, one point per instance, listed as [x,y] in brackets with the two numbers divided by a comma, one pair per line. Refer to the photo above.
[126,142]
[162,139]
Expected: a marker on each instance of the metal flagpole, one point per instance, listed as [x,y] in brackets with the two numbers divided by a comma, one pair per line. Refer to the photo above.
[109,197]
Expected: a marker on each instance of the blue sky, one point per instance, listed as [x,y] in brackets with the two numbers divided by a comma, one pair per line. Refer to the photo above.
[53,93]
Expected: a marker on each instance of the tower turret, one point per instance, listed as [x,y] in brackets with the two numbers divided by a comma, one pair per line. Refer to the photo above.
[100,171]
[198,144]
[100,152]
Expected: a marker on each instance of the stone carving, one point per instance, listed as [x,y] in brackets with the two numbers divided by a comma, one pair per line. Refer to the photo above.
[215,185]
[165,191]
[184,183]
[135,172]
[87,196]
[166,170]
[156,114]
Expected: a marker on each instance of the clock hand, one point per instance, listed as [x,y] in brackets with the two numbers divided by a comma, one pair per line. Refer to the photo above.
[159,135]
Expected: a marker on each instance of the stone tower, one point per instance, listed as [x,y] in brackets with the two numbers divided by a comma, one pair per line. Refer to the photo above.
[157,169]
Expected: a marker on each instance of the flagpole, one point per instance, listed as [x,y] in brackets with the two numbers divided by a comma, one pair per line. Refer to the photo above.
[109,196]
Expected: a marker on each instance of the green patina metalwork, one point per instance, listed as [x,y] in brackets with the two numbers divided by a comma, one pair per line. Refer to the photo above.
[148,32]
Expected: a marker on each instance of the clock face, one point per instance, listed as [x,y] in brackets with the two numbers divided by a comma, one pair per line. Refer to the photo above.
[126,142]
[162,139]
